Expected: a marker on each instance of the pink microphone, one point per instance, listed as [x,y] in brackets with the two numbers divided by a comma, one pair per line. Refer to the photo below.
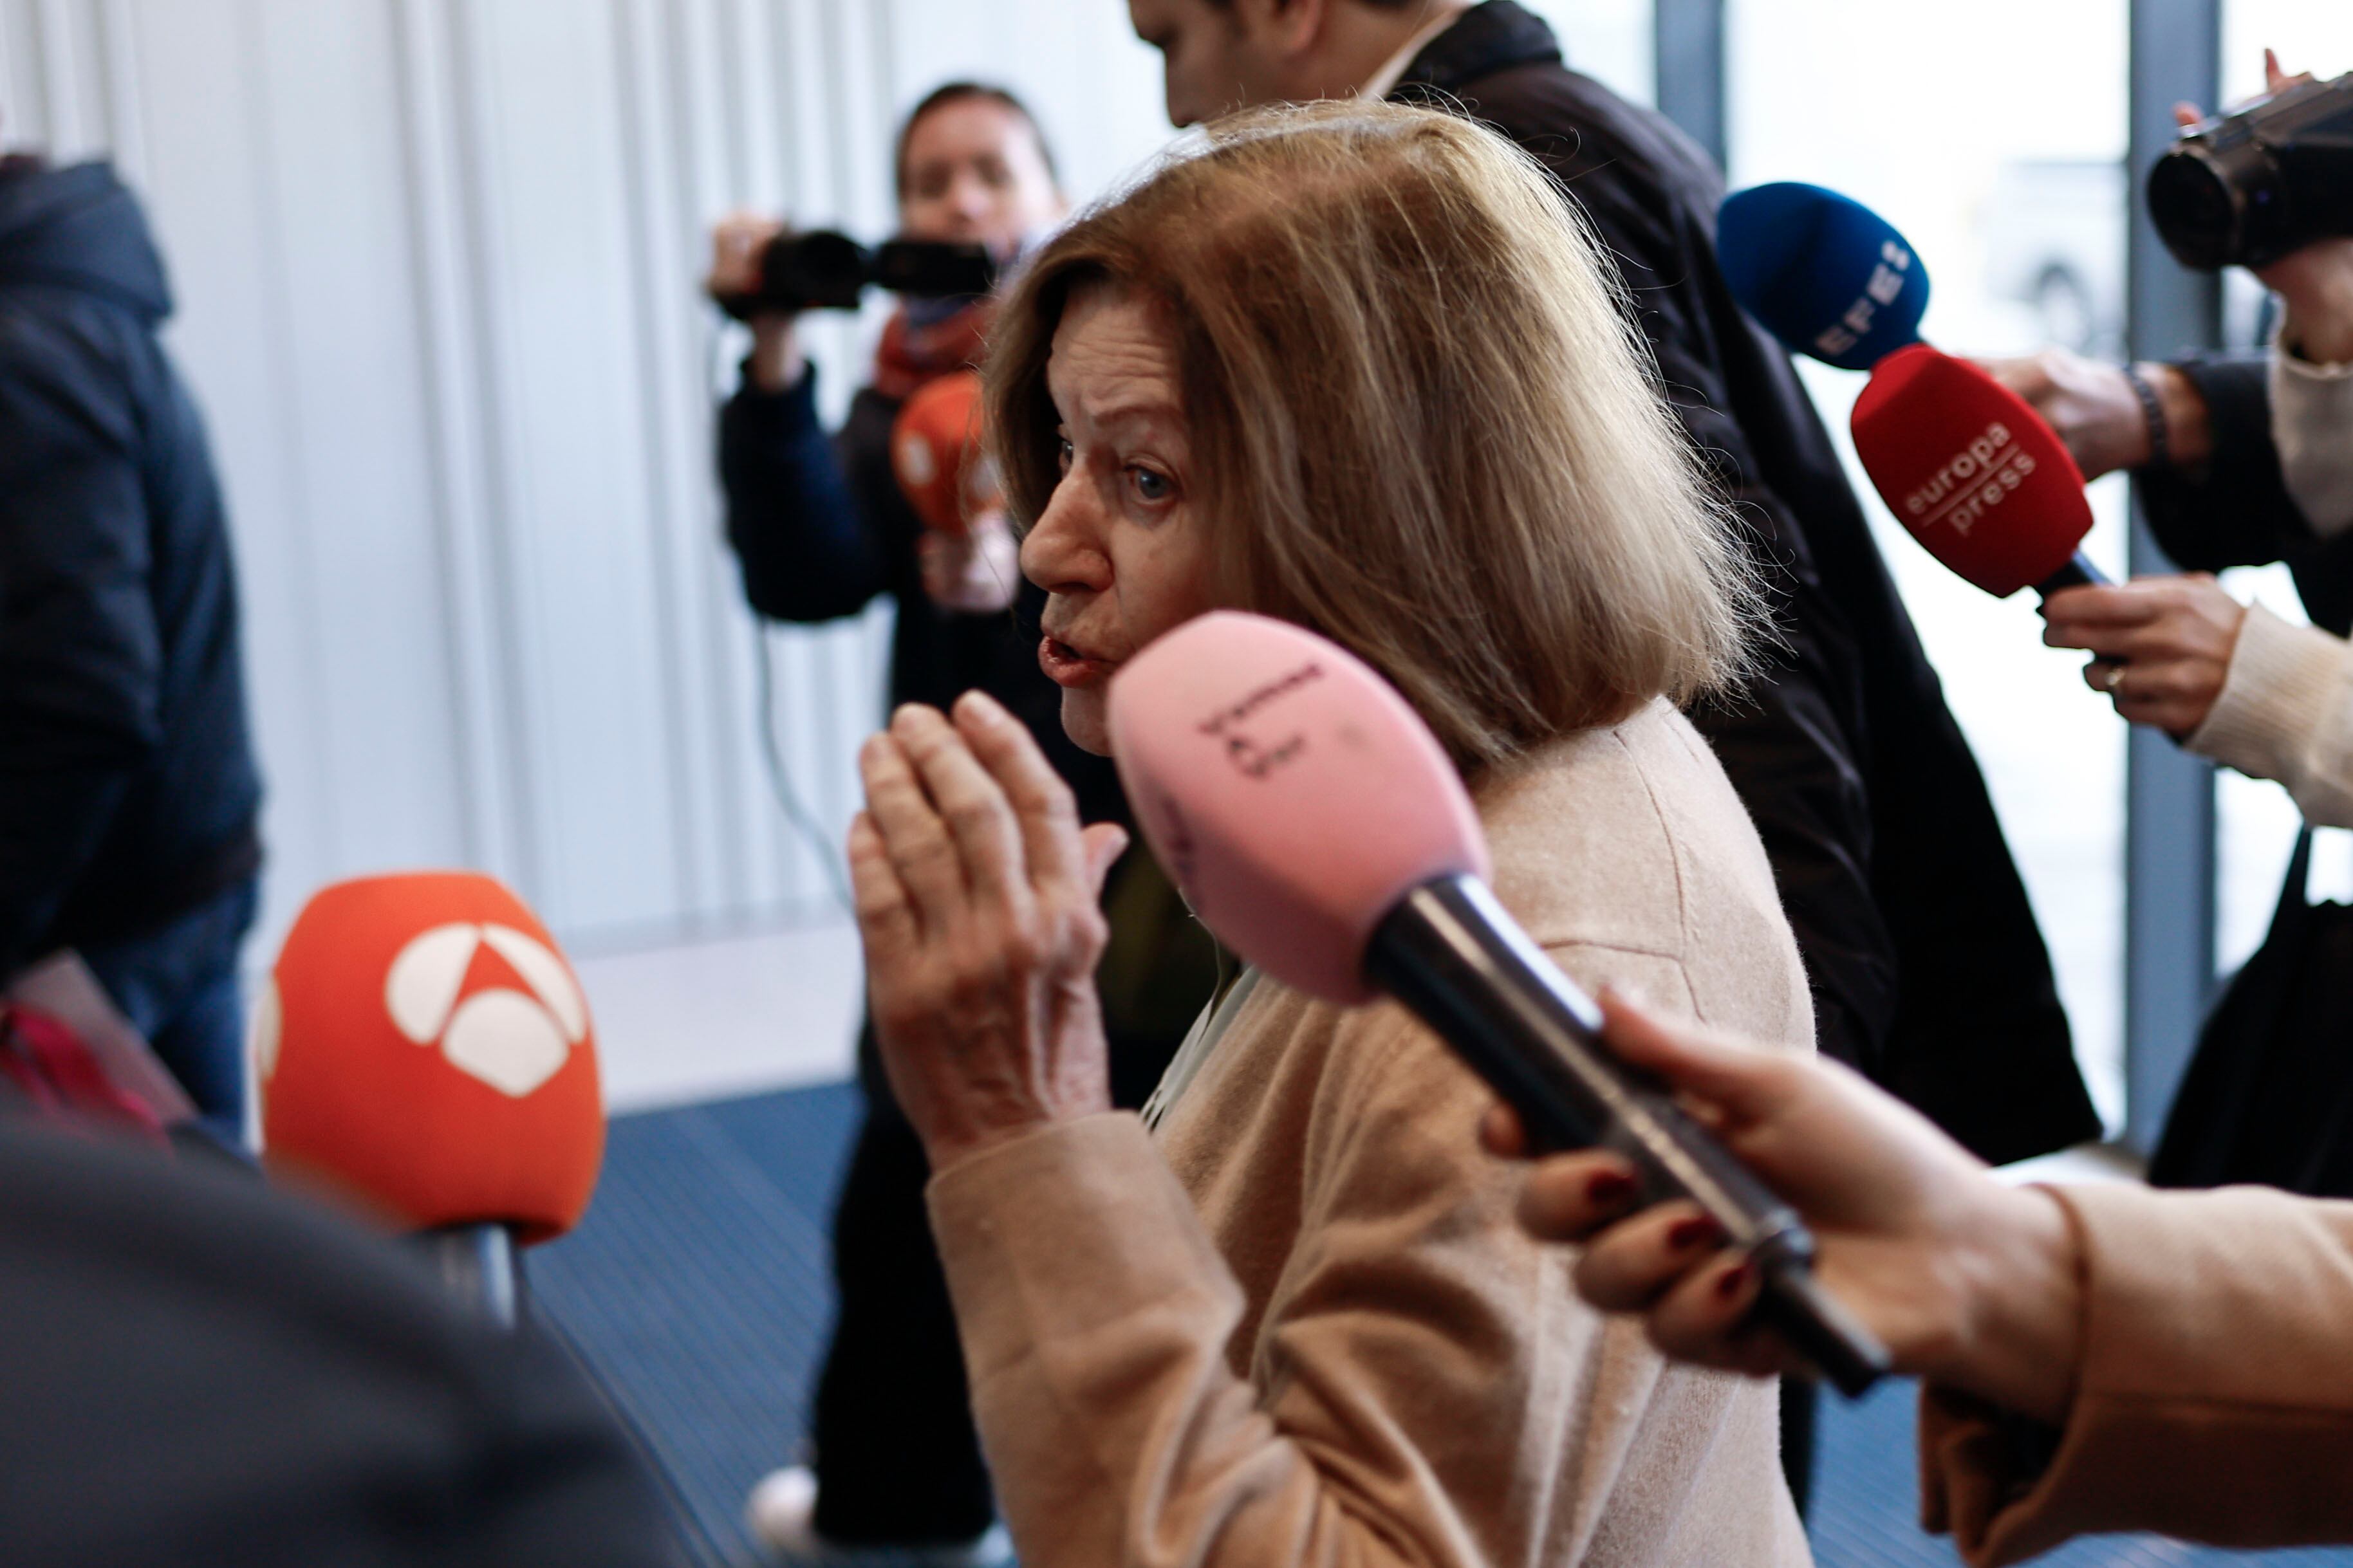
[1315,825]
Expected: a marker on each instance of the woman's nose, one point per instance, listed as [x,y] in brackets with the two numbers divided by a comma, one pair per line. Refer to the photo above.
[1063,551]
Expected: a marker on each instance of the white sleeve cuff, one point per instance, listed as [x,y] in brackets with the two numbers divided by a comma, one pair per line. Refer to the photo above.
[2312,425]
[2284,713]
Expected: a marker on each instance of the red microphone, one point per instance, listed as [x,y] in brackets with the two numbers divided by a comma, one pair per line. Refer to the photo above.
[1974,474]
[936,454]
[1314,823]
[423,1047]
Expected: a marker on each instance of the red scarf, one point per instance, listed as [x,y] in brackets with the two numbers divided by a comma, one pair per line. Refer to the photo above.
[920,345]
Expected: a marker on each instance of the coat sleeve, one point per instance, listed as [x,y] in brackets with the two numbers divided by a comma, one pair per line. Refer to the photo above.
[2285,712]
[81,651]
[2236,511]
[808,551]
[2215,1397]
[1787,740]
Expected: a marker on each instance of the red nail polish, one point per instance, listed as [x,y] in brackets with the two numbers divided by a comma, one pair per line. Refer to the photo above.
[1690,1232]
[1609,1187]
[1730,1283]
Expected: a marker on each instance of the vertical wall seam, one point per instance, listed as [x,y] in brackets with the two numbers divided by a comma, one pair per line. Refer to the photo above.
[504,482]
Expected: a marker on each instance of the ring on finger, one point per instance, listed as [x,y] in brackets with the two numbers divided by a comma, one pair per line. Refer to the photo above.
[2114,679]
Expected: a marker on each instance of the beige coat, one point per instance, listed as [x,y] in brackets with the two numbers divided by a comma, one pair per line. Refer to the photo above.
[1304,1327]
[2215,1399]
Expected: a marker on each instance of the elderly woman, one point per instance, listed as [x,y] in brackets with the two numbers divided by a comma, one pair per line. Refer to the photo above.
[1355,367]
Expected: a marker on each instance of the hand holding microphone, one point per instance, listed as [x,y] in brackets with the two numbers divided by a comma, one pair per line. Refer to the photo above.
[2161,647]
[1967,1282]
[1317,826]
[969,558]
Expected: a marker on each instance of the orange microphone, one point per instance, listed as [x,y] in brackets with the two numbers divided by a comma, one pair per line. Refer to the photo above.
[423,1047]
[936,454]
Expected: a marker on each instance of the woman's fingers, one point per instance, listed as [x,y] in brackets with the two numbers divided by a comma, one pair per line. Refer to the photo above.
[1567,1197]
[1103,843]
[921,852]
[979,819]
[1707,1318]
[886,919]
[1631,1264]
[1047,813]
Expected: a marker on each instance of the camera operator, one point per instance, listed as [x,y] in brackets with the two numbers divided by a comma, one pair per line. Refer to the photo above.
[822,527]
[2240,456]
[2235,684]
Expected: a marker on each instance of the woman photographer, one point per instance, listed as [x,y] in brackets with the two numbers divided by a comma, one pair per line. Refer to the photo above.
[822,528]
[1301,371]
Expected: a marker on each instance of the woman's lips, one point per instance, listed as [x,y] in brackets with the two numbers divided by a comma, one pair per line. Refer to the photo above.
[1067,668]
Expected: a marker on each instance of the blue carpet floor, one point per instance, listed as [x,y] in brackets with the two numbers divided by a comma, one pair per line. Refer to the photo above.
[698,1290]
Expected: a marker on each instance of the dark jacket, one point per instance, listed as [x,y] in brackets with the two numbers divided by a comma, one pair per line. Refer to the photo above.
[1929,971]
[202,1371]
[2236,511]
[128,791]
[821,528]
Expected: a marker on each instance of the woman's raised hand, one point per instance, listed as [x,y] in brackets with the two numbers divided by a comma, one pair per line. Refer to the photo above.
[1966,1281]
[979,902]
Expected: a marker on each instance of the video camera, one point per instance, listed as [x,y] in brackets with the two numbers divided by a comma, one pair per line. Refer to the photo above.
[2245,189]
[824,270]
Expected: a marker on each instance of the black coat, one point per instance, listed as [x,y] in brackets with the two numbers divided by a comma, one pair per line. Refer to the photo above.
[1928,970]
[821,527]
[202,1371]
[128,790]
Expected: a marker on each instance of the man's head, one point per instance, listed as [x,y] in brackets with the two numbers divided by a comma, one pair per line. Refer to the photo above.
[1224,55]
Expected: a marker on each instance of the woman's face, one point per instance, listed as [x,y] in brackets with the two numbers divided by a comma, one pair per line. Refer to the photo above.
[1119,550]
[976,175]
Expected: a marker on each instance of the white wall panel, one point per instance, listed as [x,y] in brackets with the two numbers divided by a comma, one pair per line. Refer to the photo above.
[436,262]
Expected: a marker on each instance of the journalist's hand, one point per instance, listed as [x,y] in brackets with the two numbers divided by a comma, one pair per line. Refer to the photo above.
[977,572]
[977,897]
[2161,646]
[2097,415]
[737,243]
[1967,1281]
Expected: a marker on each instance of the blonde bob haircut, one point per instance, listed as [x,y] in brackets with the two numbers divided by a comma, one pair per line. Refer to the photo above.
[1420,421]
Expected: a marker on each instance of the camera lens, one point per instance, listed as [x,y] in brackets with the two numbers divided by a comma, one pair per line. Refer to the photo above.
[2194,210]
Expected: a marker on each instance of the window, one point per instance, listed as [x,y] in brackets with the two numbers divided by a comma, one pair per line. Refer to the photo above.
[2004,166]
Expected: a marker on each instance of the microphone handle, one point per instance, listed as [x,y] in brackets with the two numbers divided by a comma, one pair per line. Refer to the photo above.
[1465,967]
[477,1265]
[2079,573]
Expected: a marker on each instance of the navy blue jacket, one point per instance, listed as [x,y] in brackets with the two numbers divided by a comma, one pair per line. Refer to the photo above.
[128,790]
[1928,970]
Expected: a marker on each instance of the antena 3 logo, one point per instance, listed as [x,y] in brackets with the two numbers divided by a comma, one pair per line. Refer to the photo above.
[512,1040]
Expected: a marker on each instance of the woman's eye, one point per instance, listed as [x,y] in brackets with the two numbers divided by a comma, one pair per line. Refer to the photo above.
[1151,486]
[1064,455]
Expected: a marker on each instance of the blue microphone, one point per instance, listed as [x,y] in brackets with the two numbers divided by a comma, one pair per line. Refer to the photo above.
[1825,274]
